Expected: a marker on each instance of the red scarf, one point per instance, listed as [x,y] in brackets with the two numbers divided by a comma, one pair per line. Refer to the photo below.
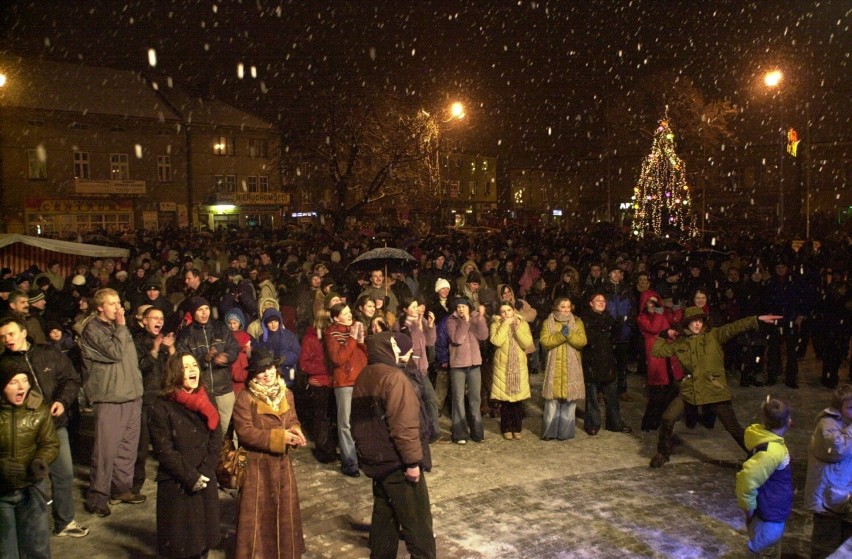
[198,401]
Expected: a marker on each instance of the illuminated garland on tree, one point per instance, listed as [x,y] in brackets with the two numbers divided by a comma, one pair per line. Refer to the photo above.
[661,197]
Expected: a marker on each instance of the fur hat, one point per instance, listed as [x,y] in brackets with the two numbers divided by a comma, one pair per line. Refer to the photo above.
[79,280]
[441,284]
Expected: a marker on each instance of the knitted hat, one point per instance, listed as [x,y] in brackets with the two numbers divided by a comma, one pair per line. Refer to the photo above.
[121,274]
[474,277]
[461,301]
[51,326]
[441,284]
[196,303]
[329,296]
[691,314]
[152,285]
[79,280]
[35,295]
[11,365]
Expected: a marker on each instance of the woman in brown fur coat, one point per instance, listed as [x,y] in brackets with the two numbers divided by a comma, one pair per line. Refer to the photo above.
[269,521]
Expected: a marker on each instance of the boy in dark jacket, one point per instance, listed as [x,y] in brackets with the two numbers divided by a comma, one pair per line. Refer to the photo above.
[393,450]
[28,444]
[765,482]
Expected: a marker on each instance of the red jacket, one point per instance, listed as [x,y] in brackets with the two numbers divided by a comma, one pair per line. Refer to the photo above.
[239,368]
[651,324]
[312,359]
[347,359]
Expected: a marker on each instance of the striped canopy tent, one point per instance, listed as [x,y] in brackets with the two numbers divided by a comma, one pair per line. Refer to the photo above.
[19,252]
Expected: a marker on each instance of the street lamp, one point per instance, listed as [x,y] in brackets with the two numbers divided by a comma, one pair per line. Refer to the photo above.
[773,79]
[455,112]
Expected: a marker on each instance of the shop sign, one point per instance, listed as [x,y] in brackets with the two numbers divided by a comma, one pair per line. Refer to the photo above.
[84,186]
[262,198]
[150,221]
[73,205]
[168,206]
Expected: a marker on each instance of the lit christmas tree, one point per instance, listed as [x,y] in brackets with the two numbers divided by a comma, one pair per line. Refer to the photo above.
[661,197]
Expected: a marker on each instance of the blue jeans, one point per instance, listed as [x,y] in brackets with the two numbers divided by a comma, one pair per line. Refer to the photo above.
[24,528]
[348,454]
[763,537]
[559,419]
[470,425]
[62,479]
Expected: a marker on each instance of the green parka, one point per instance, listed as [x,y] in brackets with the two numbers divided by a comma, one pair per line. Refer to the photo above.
[26,433]
[703,359]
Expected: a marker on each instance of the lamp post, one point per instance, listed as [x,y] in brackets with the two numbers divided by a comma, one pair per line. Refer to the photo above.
[455,112]
[773,80]
[2,181]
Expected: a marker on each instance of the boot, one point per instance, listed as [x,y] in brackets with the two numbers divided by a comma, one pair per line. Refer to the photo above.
[664,445]
[658,460]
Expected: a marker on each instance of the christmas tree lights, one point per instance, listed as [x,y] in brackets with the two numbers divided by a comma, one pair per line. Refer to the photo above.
[661,197]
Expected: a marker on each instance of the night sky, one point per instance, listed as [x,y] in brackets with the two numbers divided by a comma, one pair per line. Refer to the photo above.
[537,77]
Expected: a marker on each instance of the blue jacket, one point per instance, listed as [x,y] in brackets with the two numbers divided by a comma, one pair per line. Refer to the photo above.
[620,306]
[765,482]
[442,342]
[282,343]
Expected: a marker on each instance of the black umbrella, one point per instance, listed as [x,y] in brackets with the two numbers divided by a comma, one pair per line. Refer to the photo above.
[384,258]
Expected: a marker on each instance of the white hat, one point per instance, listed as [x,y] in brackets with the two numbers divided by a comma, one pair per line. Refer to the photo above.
[79,280]
[441,284]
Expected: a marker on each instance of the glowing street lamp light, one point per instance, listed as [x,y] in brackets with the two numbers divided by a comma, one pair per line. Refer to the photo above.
[457,111]
[2,79]
[773,78]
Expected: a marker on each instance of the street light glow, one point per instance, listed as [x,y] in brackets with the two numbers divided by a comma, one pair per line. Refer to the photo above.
[773,78]
[2,80]
[457,110]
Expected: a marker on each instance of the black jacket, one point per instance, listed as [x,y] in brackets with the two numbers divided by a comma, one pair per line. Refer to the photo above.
[56,378]
[150,367]
[197,340]
[598,357]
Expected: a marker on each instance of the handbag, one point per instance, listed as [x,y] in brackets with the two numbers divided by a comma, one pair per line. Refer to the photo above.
[231,470]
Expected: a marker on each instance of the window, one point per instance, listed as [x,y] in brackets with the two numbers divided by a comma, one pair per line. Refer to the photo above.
[224,146]
[37,159]
[258,148]
[251,183]
[484,164]
[473,166]
[119,167]
[218,183]
[81,165]
[487,188]
[472,185]
[230,183]
[164,168]
[263,183]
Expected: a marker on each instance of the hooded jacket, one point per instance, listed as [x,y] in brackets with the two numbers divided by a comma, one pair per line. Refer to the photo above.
[282,343]
[239,368]
[829,482]
[385,416]
[650,325]
[702,357]
[765,482]
[109,355]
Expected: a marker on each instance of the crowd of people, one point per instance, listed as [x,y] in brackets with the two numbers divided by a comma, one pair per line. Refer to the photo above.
[200,336]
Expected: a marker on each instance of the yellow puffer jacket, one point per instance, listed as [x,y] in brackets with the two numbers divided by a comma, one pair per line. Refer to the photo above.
[502,336]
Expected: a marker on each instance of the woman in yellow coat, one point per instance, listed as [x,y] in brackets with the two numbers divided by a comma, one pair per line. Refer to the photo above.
[511,386]
[562,337]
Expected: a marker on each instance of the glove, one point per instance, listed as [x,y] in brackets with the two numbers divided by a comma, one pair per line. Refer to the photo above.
[37,469]
[201,483]
[11,470]
[565,330]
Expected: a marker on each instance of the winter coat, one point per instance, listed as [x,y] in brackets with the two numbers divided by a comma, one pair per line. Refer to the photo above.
[197,340]
[312,360]
[55,376]
[347,360]
[829,482]
[255,329]
[26,433]
[464,337]
[650,325]
[109,356]
[421,335]
[442,342]
[282,343]
[151,367]
[522,308]
[786,295]
[187,521]
[598,355]
[765,482]
[502,336]
[386,422]
[620,306]
[702,357]
[566,383]
[269,519]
